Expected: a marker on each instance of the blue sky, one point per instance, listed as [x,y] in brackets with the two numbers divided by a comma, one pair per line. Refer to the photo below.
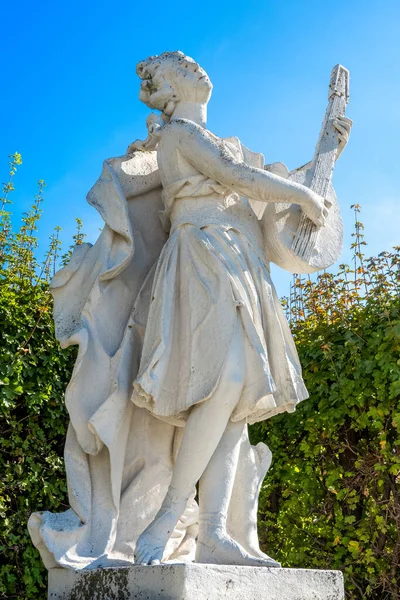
[69,93]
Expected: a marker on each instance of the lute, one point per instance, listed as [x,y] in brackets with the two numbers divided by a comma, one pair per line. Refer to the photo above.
[292,240]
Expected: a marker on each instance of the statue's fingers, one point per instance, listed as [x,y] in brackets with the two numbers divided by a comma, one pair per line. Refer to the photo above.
[139,556]
[145,559]
[346,120]
[335,123]
[340,128]
[346,127]
[327,202]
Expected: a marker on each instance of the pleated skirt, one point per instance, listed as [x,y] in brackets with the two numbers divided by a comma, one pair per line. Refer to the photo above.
[208,281]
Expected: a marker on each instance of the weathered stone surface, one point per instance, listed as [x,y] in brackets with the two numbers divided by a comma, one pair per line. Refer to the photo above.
[182,342]
[195,582]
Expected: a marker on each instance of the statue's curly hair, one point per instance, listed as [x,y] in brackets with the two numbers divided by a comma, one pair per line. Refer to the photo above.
[171,77]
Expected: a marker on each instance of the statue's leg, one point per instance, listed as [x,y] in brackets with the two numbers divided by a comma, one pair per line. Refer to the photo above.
[203,431]
[214,544]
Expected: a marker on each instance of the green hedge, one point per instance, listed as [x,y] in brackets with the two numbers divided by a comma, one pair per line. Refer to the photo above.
[331,499]
[33,375]
[33,419]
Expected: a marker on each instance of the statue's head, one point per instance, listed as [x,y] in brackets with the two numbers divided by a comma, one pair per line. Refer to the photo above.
[170,78]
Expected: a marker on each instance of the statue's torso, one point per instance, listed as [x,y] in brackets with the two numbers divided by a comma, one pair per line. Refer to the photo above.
[190,196]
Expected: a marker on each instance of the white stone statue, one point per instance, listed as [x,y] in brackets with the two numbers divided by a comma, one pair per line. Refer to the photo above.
[182,339]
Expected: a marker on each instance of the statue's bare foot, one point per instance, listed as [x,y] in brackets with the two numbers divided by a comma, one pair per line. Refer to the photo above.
[258,553]
[151,544]
[252,547]
[219,548]
[149,549]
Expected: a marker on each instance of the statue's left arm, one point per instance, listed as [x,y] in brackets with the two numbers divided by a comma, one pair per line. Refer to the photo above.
[208,155]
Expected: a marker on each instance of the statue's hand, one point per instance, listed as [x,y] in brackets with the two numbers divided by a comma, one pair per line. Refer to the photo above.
[316,208]
[154,124]
[342,127]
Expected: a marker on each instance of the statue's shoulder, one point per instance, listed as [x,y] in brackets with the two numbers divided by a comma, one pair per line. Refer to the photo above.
[185,128]
[180,126]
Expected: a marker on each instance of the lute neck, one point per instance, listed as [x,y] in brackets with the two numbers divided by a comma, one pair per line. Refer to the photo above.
[319,176]
[327,145]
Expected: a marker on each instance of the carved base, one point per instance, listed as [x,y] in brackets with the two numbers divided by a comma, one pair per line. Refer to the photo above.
[195,582]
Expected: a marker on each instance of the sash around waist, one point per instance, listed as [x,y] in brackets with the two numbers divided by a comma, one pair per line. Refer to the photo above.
[242,220]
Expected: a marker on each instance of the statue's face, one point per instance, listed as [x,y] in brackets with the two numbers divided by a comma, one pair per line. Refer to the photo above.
[172,77]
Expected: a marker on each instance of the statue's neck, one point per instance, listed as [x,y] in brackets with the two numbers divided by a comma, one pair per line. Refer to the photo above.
[191,110]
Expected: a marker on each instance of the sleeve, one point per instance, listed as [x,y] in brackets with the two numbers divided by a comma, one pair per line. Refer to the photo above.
[208,154]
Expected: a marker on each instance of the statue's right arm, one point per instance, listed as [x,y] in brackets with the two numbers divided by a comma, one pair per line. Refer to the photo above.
[208,154]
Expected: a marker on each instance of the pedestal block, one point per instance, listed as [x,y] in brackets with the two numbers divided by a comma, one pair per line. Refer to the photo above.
[195,582]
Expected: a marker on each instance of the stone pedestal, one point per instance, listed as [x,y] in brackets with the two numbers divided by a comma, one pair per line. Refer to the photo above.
[195,582]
